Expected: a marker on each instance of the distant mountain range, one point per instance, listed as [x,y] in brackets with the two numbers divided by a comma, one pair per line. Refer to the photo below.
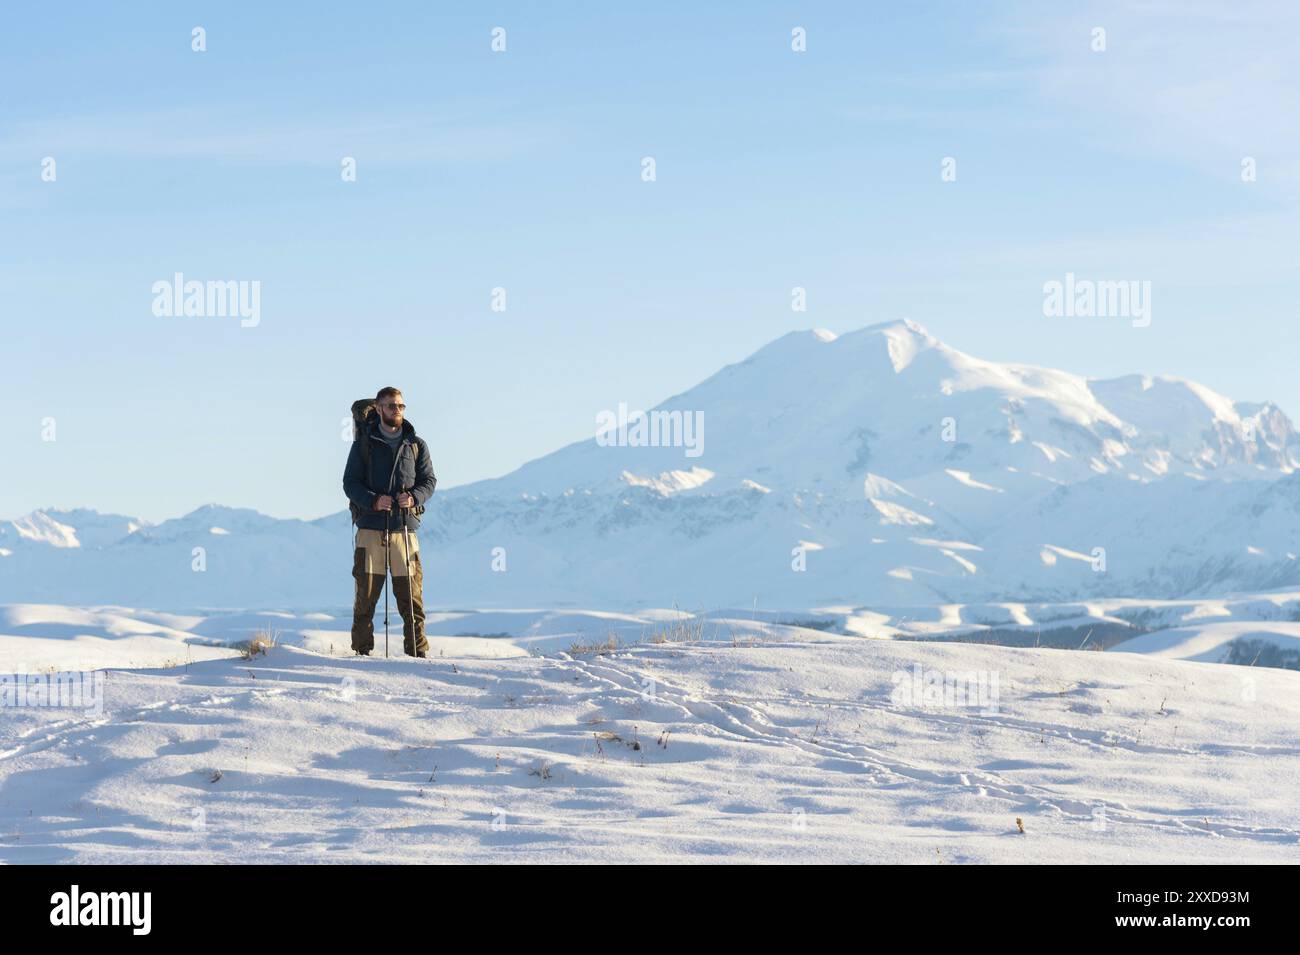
[892,468]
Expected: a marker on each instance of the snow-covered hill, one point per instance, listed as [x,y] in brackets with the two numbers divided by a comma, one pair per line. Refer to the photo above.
[889,466]
[779,744]
[1245,643]
[1251,630]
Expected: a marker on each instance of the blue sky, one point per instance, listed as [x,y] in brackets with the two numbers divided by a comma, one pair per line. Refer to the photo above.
[522,170]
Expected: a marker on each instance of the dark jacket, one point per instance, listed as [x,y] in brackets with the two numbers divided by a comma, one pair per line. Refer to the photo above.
[392,470]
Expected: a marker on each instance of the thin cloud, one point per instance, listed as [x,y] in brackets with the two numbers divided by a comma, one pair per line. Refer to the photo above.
[1200,83]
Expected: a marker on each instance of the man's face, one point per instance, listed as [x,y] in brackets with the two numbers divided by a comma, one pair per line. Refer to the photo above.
[390,410]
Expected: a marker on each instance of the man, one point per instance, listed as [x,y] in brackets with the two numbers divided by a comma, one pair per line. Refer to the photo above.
[388,478]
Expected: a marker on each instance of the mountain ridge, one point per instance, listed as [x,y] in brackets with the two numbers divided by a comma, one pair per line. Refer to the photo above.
[880,464]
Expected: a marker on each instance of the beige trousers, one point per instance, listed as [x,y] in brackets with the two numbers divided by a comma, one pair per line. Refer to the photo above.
[408,588]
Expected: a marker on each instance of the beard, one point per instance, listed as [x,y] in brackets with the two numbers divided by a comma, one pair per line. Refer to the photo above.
[391,422]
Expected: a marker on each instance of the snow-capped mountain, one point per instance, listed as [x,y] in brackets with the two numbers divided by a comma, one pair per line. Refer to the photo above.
[880,466]
[77,528]
[815,410]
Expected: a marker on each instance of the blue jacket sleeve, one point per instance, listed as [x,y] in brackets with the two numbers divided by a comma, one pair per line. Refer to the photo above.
[354,481]
[425,479]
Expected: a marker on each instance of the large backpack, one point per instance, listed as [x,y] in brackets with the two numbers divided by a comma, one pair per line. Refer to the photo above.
[362,409]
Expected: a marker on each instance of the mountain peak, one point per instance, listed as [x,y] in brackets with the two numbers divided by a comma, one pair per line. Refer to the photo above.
[70,527]
[40,527]
[904,340]
[902,326]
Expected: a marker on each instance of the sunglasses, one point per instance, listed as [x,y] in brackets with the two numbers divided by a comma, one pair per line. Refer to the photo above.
[391,406]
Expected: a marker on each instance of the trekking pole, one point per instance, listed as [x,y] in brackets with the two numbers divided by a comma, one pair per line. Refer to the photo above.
[388,516]
[410,584]
[386,566]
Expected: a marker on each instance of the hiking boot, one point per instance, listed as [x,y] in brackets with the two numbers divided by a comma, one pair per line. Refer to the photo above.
[363,653]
